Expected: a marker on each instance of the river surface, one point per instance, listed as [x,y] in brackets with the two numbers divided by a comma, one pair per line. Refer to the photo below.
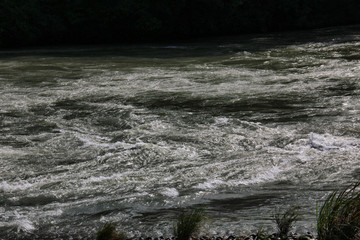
[241,127]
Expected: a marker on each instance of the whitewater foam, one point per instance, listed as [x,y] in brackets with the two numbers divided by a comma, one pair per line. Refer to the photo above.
[170,192]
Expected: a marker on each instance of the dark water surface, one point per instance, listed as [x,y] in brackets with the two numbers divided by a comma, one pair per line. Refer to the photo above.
[238,126]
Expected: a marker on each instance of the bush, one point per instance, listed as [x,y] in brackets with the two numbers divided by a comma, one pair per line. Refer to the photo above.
[339,217]
[188,224]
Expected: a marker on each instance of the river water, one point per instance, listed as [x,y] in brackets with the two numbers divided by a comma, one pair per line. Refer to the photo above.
[238,126]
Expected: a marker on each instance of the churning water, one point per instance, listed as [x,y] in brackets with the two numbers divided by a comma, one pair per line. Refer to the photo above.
[135,134]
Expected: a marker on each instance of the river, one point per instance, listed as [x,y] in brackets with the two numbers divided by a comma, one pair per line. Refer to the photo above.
[240,126]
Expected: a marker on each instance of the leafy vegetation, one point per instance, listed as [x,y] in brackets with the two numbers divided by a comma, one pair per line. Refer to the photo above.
[39,22]
[284,221]
[262,235]
[108,232]
[337,219]
[188,224]
[339,216]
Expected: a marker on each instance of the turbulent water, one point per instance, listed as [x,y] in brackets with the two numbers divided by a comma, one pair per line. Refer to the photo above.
[237,126]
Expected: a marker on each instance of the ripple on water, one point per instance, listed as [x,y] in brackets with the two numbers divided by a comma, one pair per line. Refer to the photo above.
[236,128]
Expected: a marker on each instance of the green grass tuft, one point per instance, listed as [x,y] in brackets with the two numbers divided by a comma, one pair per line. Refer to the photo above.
[261,234]
[285,220]
[188,224]
[108,232]
[303,238]
[339,216]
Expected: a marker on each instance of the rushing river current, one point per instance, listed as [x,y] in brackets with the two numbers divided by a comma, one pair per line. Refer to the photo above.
[238,126]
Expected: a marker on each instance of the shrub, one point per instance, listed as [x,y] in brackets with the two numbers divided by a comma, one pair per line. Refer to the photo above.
[339,216]
[108,232]
[285,220]
[188,224]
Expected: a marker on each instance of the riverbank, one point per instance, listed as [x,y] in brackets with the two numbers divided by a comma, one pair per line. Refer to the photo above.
[253,236]
[43,23]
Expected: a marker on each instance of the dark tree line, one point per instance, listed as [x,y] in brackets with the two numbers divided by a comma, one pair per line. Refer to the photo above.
[46,22]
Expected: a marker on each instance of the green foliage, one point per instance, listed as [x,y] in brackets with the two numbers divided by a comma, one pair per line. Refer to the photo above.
[303,238]
[108,232]
[285,220]
[188,224]
[262,235]
[339,216]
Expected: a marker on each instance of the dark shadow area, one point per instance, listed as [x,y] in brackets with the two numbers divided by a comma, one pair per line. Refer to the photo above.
[39,22]
[197,47]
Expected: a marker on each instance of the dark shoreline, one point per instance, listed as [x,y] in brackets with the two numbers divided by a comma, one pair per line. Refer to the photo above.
[241,236]
[26,23]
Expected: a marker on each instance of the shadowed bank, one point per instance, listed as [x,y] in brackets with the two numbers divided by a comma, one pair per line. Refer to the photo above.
[38,22]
